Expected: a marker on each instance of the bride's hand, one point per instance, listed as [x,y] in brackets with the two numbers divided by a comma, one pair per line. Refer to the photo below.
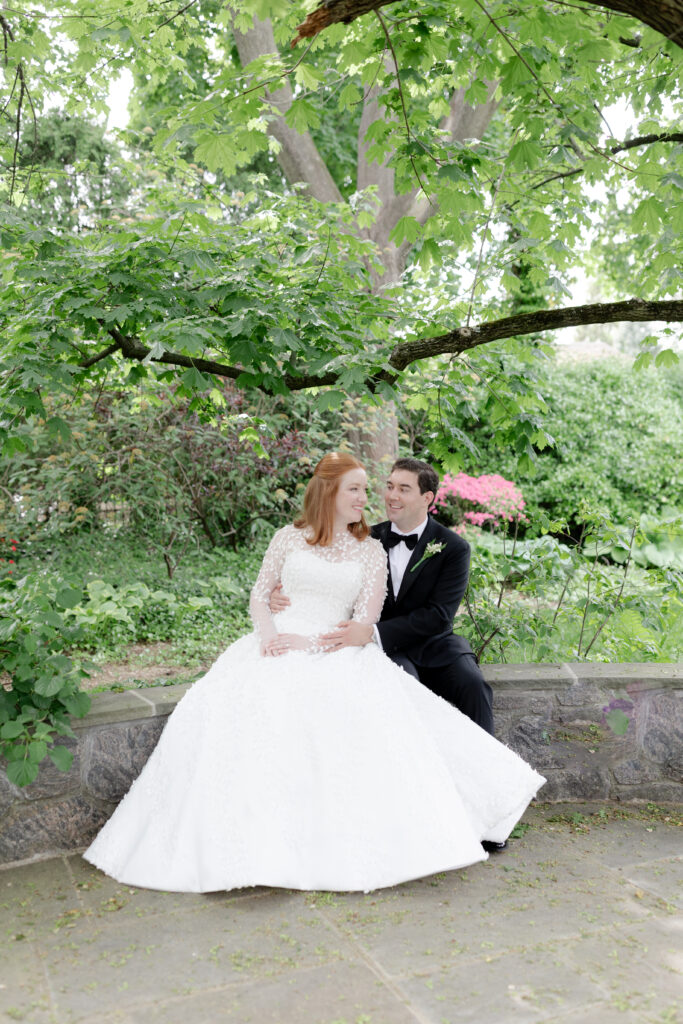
[283,643]
[278,600]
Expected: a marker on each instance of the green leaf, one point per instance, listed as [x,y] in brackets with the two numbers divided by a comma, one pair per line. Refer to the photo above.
[329,400]
[649,215]
[22,773]
[217,152]
[667,358]
[78,704]
[349,96]
[429,254]
[195,380]
[308,76]
[14,445]
[514,73]
[642,361]
[37,750]
[285,339]
[48,685]
[302,115]
[62,757]
[525,154]
[68,598]
[57,427]
[11,730]
[407,230]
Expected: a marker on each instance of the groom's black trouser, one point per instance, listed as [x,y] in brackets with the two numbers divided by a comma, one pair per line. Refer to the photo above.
[461,683]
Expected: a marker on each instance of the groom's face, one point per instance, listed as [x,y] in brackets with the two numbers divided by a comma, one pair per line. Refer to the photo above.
[406,506]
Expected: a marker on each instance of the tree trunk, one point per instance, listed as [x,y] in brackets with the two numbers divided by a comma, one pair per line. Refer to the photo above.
[375,435]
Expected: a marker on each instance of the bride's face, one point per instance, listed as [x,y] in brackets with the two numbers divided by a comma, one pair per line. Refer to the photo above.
[351,497]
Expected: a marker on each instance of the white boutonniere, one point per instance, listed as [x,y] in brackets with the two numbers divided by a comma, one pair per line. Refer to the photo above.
[433,548]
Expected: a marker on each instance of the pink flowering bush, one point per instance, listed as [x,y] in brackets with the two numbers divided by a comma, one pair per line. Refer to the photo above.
[487,500]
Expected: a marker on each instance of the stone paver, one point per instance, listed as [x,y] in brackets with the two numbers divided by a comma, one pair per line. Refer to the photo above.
[577,922]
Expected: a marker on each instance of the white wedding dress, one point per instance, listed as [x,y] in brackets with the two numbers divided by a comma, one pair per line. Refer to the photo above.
[311,770]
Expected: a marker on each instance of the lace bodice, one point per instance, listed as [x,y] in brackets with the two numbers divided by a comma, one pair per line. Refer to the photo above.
[325,585]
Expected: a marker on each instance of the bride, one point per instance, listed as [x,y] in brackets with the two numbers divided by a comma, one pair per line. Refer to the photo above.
[288,766]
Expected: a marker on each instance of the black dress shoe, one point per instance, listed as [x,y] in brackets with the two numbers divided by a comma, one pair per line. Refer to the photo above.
[492,847]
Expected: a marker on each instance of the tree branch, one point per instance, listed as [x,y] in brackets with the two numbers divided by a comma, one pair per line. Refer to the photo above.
[642,140]
[665,16]
[648,140]
[463,338]
[459,340]
[100,355]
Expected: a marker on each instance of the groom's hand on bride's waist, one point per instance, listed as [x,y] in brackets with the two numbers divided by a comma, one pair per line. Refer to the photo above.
[278,601]
[347,634]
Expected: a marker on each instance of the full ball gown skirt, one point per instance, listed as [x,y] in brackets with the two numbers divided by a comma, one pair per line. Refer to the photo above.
[309,770]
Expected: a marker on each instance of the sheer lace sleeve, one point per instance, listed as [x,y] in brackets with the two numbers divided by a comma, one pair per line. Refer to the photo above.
[268,577]
[373,589]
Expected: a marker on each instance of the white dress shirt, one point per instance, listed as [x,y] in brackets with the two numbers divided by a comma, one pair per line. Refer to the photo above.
[399,556]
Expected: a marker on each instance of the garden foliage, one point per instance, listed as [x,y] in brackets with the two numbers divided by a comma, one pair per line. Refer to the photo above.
[42,688]
[148,463]
[611,437]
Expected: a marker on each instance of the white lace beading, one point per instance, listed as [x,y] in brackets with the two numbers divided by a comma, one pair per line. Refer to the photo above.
[320,595]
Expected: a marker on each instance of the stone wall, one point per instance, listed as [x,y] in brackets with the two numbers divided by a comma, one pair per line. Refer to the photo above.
[553,715]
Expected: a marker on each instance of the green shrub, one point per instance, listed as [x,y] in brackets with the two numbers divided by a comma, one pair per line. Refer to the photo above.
[152,465]
[36,637]
[618,439]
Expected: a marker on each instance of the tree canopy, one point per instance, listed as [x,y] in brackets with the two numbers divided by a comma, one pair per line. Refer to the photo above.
[414,184]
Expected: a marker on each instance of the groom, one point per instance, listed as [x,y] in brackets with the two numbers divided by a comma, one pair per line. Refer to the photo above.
[428,572]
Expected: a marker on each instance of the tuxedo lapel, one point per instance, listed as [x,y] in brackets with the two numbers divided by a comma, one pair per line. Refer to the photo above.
[382,533]
[411,573]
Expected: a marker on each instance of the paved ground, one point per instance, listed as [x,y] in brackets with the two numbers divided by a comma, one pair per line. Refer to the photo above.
[577,922]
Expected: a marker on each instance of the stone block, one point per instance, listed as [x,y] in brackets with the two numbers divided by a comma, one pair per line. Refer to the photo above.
[163,699]
[527,676]
[633,772]
[51,781]
[656,792]
[617,674]
[584,695]
[661,734]
[526,702]
[114,707]
[114,756]
[49,827]
[580,715]
[580,783]
[530,738]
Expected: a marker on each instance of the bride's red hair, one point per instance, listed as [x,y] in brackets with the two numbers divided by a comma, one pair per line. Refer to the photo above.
[319,499]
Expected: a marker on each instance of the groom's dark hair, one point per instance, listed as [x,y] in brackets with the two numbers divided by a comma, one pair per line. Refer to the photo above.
[427,478]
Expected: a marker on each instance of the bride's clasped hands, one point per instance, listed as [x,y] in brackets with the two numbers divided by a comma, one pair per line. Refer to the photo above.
[283,643]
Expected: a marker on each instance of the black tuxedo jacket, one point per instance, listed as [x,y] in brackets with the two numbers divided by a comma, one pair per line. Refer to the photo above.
[418,621]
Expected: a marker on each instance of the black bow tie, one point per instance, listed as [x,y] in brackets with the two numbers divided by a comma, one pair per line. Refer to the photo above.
[409,539]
